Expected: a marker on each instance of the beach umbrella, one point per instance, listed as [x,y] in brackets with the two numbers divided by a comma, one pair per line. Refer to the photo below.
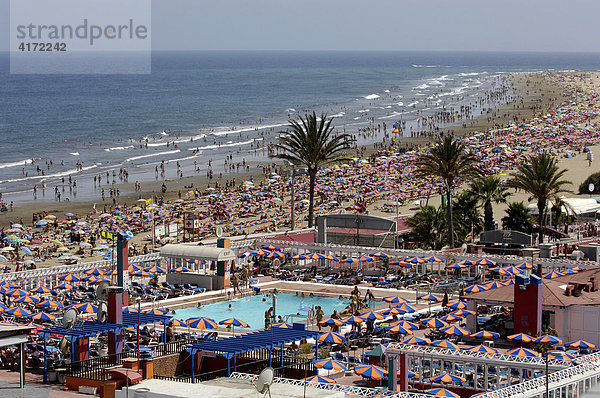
[142,274]
[371,316]
[69,278]
[455,331]
[9,285]
[329,364]
[2,307]
[392,311]
[315,256]
[181,269]
[493,285]
[353,319]
[415,260]
[524,265]
[483,348]
[65,285]
[430,297]
[372,372]
[319,380]
[522,337]
[276,254]
[155,270]
[522,352]
[283,325]
[402,264]
[435,323]
[157,311]
[485,334]
[447,378]
[413,340]
[27,299]
[441,392]
[444,344]
[85,307]
[450,318]
[547,339]
[462,313]
[42,316]
[485,261]
[398,329]
[177,322]
[272,248]
[332,337]
[94,271]
[405,324]
[130,310]
[17,293]
[581,344]
[201,323]
[407,308]
[433,259]
[476,289]
[455,266]
[299,257]
[49,304]
[40,289]
[379,255]
[395,300]
[333,322]
[457,305]
[17,312]
[551,275]
[234,322]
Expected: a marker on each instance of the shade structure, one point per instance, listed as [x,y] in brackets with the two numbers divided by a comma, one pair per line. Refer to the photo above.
[398,329]
[455,266]
[17,312]
[415,260]
[177,322]
[329,364]
[371,316]
[522,337]
[157,311]
[315,256]
[296,257]
[581,344]
[485,334]
[483,348]
[156,270]
[201,323]
[433,259]
[372,372]
[332,337]
[94,271]
[40,290]
[560,356]
[430,297]
[379,255]
[522,352]
[27,299]
[455,331]
[130,310]
[462,313]
[436,323]
[142,274]
[457,305]
[401,264]
[66,286]
[441,392]
[272,248]
[395,300]
[181,269]
[392,311]
[69,278]
[447,378]
[547,339]
[282,325]
[49,304]
[17,293]
[476,289]
[413,340]
[234,322]
[444,344]
[407,308]
[524,265]
[319,380]
[275,254]
[485,261]
[42,316]
[450,318]
[333,322]
[493,285]
[353,319]
[248,253]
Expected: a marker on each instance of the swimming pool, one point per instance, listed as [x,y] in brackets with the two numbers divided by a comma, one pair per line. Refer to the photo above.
[252,309]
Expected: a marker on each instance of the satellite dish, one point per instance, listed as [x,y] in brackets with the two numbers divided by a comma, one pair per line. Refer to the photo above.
[101,312]
[69,318]
[219,231]
[264,381]
[102,291]
[64,346]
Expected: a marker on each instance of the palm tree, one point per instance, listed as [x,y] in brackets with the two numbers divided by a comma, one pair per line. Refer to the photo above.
[489,190]
[427,227]
[542,180]
[311,143]
[468,219]
[449,161]
[517,218]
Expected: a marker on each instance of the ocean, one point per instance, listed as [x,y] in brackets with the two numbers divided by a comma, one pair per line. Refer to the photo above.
[201,106]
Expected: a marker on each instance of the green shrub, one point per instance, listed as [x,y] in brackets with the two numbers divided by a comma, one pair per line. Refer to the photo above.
[594,179]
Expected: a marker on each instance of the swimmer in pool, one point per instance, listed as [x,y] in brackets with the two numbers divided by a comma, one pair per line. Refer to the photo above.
[230,308]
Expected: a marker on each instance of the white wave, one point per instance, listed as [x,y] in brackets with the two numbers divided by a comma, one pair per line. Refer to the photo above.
[435,82]
[75,153]
[229,144]
[16,164]
[469,74]
[386,91]
[413,103]
[164,133]
[179,141]
[51,176]
[151,155]
[290,110]
[400,103]
[372,96]
[118,148]
[257,127]
[364,110]
[186,158]
[421,87]
[341,114]
[426,66]
[357,118]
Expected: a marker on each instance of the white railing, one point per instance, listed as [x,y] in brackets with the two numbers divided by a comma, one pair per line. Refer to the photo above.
[464,355]
[588,368]
[65,269]
[348,390]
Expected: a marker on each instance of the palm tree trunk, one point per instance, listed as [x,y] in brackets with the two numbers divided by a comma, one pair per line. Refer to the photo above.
[449,211]
[488,215]
[540,222]
[311,196]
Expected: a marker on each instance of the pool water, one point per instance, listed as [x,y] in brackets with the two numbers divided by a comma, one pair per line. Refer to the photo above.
[251,309]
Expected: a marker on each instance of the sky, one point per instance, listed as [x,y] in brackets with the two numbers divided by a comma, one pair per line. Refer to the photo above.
[362,25]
